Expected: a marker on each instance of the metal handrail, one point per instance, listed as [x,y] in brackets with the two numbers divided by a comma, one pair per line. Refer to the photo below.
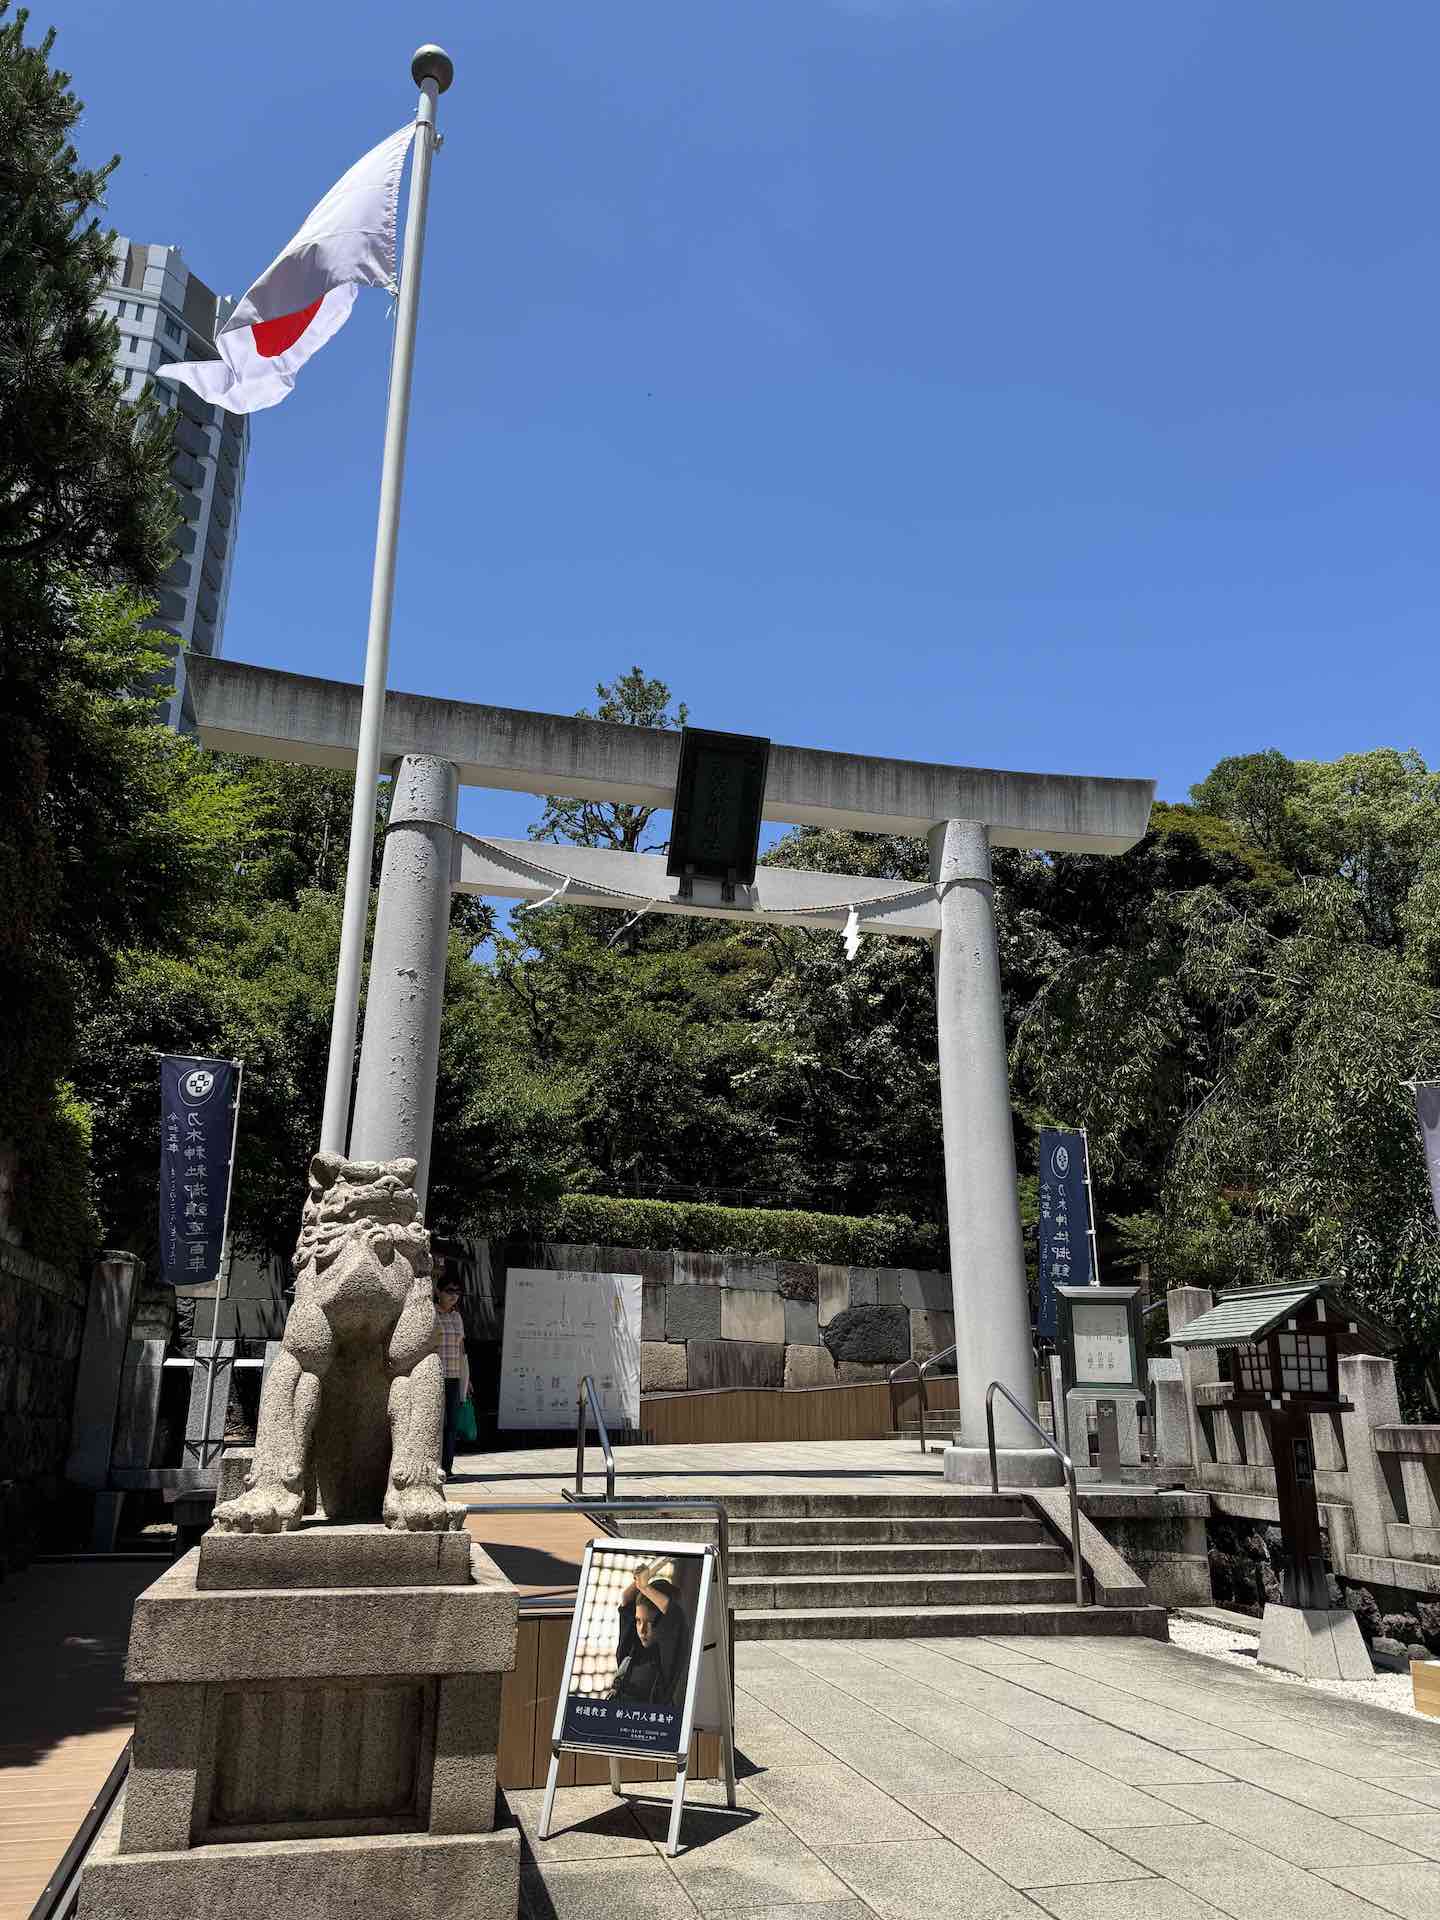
[891,1377]
[922,1367]
[946,1353]
[585,1393]
[995,1387]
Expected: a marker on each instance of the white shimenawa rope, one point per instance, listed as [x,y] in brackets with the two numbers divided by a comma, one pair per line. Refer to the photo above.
[852,909]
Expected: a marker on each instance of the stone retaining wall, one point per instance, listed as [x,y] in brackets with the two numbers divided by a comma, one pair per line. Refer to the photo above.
[42,1318]
[725,1320]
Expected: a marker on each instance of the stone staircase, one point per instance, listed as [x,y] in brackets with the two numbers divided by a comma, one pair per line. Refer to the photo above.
[848,1566]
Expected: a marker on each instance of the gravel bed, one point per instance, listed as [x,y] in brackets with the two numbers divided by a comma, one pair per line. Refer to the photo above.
[1393,1691]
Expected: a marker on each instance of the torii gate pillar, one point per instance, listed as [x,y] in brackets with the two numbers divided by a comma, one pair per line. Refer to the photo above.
[987,1253]
[400,1053]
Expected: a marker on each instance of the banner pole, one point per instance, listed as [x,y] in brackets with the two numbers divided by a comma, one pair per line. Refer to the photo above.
[432,70]
[239,1066]
[1090,1213]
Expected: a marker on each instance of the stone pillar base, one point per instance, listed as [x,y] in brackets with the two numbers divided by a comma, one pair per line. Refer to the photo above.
[316,1729]
[462,1876]
[1315,1645]
[1018,1467]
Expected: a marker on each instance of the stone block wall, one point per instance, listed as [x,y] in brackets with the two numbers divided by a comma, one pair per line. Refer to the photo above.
[725,1320]
[42,1318]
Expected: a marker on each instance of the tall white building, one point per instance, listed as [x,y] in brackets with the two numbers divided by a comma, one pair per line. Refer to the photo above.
[165,313]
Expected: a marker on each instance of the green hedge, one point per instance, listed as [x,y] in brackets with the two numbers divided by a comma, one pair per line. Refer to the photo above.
[592,1219]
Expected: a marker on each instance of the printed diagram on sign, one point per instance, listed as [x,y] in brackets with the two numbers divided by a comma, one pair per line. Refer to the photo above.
[559,1326]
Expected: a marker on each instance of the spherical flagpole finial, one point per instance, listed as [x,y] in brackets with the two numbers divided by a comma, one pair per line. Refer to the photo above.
[432,63]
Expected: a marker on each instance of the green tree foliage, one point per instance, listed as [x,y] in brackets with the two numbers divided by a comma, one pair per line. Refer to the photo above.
[125,835]
[632,699]
[107,828]
[84,480]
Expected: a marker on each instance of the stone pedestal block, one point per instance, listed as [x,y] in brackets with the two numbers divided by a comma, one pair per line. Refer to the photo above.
[316,1732]
[1078,1403]
[1314,1644]
[1017,1466]
[97,1385]
[1172,1428]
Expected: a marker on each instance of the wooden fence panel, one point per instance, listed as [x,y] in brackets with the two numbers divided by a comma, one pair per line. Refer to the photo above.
[527,1718]
[777,1414]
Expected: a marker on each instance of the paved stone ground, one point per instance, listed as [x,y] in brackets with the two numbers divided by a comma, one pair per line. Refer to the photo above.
[1084,1779]
[800,1466]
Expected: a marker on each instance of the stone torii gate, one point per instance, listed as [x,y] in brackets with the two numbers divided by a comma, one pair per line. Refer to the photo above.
[435,746]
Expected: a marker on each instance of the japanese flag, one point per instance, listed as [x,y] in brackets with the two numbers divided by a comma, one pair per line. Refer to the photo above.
[304,296]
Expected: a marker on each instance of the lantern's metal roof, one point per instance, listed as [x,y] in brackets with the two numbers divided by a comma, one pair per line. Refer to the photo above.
[1245,1314]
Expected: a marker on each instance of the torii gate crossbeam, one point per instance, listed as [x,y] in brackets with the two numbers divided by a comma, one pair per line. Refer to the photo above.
[436,746]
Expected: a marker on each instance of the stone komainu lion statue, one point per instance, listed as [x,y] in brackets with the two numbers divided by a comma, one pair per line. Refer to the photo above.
[355,1399]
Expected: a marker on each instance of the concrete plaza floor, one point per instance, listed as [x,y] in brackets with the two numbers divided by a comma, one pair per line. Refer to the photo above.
[1003,1779]
[799,1466]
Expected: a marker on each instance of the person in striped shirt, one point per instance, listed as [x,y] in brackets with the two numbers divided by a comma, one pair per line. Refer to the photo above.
[455,1361]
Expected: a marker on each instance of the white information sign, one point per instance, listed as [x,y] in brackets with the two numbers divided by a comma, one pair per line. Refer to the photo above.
[559,1326]
[1101,1332]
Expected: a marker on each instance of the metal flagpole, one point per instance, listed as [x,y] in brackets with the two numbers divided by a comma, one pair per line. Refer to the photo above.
[239,1066]
[433,71]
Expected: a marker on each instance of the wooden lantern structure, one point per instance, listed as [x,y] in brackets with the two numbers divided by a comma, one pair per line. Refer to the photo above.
[1284,1346]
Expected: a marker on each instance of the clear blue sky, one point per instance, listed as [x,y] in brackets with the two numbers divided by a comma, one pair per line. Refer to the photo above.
[1012,382]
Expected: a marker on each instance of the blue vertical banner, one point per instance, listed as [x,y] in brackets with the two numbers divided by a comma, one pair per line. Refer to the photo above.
[1064,1237]
[197,1132]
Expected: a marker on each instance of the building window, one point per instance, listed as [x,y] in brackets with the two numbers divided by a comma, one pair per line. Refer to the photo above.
[171,328]
[1303,1367]
[1254,1368]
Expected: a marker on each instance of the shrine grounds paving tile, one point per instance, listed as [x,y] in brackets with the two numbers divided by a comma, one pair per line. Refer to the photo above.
[1295,1833]
[929,1878]
[904,1766]
[748,1858]
[1411,1893]
[1124,1900]
[884,1780]
[604,1890]
[1083,1795]
[1423,1788]
[1415,1831]
[829,1803]
[590,1824]
[819,1910]
[1025,1845]
[1242,1881]
[1320,1787]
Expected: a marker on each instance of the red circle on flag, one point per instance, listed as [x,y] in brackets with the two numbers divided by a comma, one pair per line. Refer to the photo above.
[273,337]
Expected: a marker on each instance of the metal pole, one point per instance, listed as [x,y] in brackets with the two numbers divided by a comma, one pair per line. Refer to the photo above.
[1090,1210]
[239,1066]
[433,71]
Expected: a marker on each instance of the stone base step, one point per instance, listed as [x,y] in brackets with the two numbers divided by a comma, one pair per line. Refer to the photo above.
[807,1530]
[877,1506]
[886,1592]
[866,1562]
[890,1623]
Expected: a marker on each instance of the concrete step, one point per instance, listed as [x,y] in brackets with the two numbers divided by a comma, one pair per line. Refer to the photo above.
[889,1591]
[931,1623]
[806,1530]
[876,1506]
[867,1562]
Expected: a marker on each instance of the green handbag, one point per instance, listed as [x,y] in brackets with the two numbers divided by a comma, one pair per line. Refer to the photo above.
[465,1427]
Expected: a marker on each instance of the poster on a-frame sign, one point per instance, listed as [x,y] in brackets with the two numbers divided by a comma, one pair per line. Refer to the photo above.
[647,1665]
